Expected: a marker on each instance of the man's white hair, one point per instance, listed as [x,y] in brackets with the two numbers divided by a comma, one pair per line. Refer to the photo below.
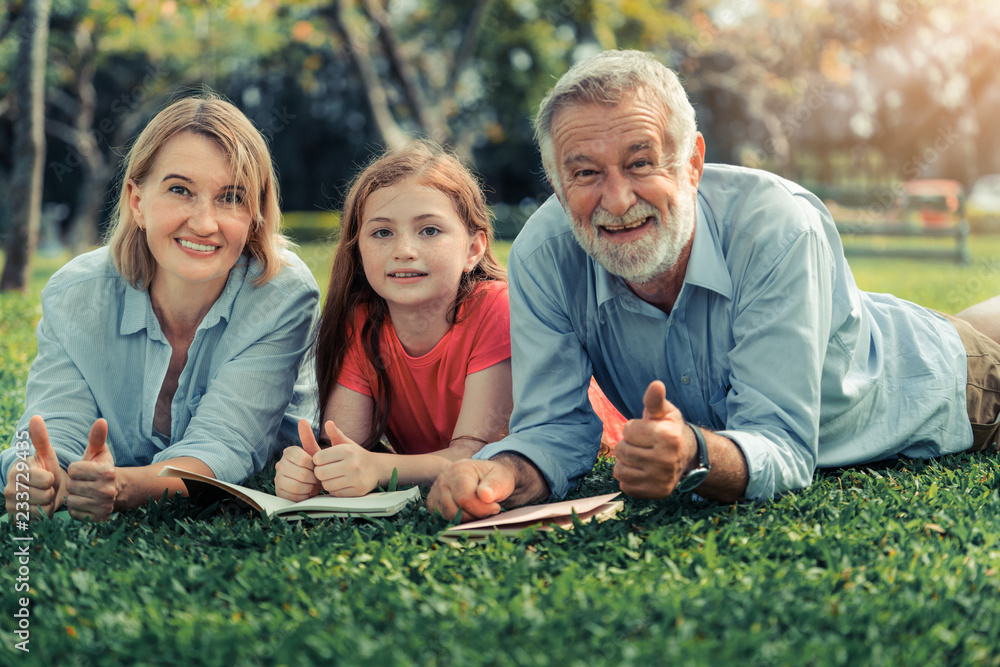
[607,79]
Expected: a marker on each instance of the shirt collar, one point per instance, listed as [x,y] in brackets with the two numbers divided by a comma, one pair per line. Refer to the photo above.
[706,265]
[137,312]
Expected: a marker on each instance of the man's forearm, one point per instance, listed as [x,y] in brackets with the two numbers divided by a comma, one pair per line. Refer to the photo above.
[730,475]
[530,485]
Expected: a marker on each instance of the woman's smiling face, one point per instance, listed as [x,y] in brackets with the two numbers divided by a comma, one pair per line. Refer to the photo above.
[194,214]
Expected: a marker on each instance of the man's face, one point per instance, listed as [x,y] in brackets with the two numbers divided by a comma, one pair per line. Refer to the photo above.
[631,210]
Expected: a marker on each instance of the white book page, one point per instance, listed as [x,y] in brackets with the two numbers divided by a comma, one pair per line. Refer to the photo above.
[374,504]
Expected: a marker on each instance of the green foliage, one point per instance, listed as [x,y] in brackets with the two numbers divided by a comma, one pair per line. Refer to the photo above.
[309,226]
[940,285]
[893,564]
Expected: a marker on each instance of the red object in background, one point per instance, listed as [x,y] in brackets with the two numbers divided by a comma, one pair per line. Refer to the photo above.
[936,202]
[613,420]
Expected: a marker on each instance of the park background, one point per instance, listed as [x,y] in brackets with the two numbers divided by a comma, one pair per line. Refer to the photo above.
[891,564]
[848,97]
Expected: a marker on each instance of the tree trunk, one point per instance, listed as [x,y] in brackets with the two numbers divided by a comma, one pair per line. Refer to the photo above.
[29,146]
[356,48]
[82,233]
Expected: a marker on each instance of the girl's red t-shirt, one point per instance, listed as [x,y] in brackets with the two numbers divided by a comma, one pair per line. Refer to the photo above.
[427,390]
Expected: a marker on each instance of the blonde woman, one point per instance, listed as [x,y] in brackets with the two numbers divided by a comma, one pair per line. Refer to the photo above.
[179,342]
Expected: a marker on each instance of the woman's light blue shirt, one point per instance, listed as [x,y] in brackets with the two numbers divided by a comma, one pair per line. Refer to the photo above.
[102,353]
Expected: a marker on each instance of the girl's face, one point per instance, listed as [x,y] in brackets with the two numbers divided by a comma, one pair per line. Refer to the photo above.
[194,214]
[414,247]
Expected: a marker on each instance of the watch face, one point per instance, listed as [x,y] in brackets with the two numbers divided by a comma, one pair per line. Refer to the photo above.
[693,479]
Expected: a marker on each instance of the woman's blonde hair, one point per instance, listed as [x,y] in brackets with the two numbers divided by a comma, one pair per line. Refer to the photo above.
[219,121]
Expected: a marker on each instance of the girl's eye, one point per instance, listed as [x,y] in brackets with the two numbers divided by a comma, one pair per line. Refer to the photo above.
[381,233]
[430,231]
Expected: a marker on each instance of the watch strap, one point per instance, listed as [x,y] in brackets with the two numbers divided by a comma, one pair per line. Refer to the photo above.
[696,475]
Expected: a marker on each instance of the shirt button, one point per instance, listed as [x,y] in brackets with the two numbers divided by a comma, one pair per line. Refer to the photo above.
[685,379]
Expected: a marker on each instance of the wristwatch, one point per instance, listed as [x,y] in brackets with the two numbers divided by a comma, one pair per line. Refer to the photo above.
[697,474]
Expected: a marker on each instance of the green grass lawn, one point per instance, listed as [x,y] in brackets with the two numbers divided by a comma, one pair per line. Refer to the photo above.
[896,564]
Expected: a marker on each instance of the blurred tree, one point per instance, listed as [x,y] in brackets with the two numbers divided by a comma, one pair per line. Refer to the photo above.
[410,83]
[887,88]
[114,62]
[822,89]
[29,145]
[76,55]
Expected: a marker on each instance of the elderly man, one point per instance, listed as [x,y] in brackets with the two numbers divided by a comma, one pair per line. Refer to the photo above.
[713,305]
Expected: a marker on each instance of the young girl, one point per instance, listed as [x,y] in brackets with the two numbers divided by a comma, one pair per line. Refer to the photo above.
[414,341]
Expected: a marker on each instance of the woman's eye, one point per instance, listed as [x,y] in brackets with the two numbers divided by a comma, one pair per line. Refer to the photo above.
[381,233]
[233,198]
[179,190]
[430,231]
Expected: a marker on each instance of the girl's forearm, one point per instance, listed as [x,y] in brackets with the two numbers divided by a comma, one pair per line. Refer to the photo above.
[423,469]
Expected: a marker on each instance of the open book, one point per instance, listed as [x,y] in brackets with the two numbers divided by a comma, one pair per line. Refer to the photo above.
[543,517]
[372,505]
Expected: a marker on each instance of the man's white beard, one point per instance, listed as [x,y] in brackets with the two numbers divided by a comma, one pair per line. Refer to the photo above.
[652,255]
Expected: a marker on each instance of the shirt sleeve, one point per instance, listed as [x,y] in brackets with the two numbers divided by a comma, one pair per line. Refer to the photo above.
[781,329]
[492,338]
[235,424]
[304,403]
[553,424]
[58,390]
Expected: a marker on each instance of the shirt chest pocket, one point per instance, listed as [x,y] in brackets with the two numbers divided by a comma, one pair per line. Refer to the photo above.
[717,406]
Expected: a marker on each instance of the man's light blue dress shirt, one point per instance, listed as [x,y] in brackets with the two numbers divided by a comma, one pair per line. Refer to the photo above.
[770,343]
[102,353]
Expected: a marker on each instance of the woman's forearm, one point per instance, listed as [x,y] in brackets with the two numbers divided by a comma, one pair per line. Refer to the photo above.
[137,485]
